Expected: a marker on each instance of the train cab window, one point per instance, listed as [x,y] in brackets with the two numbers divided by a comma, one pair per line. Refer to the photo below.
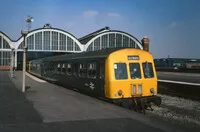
[63,69]
[82,70]
[135,71]
[120,71]
[148,70]
[91,70]
[69,69]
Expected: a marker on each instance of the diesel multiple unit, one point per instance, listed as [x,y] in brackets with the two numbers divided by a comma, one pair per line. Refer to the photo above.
[113,74]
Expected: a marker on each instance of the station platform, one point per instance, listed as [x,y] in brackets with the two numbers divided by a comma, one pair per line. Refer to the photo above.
[50,108]
[192,78]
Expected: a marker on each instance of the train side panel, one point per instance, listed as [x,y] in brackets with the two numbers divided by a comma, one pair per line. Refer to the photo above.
[87,80]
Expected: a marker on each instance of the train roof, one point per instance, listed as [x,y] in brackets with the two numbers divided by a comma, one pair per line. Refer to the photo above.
[104,53]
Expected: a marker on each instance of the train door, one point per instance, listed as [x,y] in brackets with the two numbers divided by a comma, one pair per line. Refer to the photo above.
[102,78]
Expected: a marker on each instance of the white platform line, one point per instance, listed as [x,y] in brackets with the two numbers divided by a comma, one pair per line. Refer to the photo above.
[179,82]
[35,78]
[182,74]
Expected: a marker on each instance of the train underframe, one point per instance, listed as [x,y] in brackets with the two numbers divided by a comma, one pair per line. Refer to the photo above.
[139,104]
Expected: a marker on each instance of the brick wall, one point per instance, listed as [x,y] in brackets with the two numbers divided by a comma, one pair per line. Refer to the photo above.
[145,43]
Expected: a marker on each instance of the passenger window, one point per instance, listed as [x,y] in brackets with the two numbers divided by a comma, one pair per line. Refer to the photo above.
[69,69]
[51,67]
[135,71]
[34,66]
[75,69]
[55,68]
[38,67]
[63,69]
[120,71]
[148,70]
[91,70]
[59,68]
[82,70]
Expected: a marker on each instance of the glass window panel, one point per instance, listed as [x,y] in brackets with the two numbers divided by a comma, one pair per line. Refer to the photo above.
[38,41]
[132,43]
[120,71]
[125,41]
[104,41]
[69,68]
[69,44]
[118,40]
[97,44]
[30,41]
[91,72]
[63,71]
[90,47]
[77,48]
[135,71]
[148,70]
[75,69]
[82,70]
[62,42]
[5,58]
[54,40]
[111,40]
[21,45]
[5,44]
[46,41]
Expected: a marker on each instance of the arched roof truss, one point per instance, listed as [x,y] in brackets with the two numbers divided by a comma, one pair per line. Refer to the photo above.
[112,39]
[52,40]
[5,42]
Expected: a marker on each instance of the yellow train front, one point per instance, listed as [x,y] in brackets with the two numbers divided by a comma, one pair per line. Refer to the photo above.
[130,74]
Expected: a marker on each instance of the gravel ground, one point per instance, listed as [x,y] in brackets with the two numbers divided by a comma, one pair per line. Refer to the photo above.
[179,110]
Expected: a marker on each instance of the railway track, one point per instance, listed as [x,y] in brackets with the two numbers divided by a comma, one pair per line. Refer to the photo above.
[180,95]
[178,110]
[180,90]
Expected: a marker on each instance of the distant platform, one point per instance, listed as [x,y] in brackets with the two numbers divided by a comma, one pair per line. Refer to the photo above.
[193,78]
[176,69]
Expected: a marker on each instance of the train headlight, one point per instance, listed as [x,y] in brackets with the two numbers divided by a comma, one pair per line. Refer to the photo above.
[140,89]
[152,90]
[120,92]
[134,89]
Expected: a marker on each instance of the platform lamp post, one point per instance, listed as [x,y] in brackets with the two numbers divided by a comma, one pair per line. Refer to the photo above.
[24,33]
[12,62]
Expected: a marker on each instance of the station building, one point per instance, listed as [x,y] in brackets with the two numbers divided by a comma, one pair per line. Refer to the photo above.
[177,63]
[48,41]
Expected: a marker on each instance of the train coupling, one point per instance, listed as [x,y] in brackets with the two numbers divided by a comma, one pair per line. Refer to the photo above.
[143,103]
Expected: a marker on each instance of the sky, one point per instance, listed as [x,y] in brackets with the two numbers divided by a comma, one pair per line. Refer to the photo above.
[173,26]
